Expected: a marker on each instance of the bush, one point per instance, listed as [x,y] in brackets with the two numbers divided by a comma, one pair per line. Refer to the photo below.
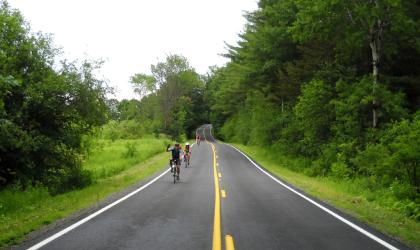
[322,165]
[228,129]
[402,140]
[403,191]
[340,169]
[372,160]
[69,179]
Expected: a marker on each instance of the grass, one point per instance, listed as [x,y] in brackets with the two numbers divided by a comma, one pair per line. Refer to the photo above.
[350,196]
[114,166]
[112,157]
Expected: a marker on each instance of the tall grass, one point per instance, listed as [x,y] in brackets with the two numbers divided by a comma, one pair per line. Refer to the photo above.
[112,157]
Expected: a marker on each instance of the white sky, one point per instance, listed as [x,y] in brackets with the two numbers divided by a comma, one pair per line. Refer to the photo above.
[133,34]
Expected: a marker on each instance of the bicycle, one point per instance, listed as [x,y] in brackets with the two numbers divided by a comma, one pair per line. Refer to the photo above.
[187,159]
[175,169]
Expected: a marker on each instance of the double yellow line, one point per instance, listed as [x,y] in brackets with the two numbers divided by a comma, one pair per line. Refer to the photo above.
[217,232]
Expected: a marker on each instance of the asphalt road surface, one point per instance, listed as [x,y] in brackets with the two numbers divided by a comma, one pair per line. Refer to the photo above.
[223,201]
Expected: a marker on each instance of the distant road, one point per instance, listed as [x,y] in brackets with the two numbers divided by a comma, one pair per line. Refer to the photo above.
[223,201]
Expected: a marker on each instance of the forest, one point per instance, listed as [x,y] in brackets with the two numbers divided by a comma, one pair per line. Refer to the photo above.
[334,84]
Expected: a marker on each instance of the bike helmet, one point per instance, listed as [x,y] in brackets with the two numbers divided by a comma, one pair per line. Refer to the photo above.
[187,144]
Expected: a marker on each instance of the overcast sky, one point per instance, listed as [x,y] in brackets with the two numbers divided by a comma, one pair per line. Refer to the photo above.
[133,34]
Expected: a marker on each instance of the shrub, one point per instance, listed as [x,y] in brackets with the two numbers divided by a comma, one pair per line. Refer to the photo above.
[372,160]
[340,169]
[69,179]
[402,190]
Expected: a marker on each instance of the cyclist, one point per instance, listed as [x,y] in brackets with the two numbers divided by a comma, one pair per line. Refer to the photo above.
[187,152]
[176,156]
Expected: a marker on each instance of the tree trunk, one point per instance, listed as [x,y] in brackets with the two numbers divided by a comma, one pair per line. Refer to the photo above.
[282,105]
[375,46]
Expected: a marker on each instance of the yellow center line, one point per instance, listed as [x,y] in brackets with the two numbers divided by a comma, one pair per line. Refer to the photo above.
[223,194]
[217,238]
[229,242]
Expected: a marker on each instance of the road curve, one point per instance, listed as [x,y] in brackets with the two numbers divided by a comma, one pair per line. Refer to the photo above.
[255,213]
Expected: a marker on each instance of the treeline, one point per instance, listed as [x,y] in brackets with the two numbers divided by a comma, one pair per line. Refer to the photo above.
[44,111]
[335,83]
[171,102]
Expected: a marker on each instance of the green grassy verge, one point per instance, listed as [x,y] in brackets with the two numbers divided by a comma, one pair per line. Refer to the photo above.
[113,170]
[345,195]
[112,157]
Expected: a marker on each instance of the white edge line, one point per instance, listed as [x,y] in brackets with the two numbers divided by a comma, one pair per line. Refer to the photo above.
[75,225]
[354,226]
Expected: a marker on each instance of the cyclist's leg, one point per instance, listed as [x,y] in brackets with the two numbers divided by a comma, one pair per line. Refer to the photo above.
[178,166]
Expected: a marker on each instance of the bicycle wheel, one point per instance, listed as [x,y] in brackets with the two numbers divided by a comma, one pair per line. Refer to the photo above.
[178,171]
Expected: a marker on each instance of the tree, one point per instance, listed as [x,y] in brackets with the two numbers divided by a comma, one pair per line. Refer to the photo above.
[314,114]
[143,84]
[44,113]
[174,93]
[372,23]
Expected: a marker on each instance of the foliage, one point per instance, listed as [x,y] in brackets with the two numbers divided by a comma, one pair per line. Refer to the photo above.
[330,82]
[172,99]
[44,112]
[125,129]
[254,124]
[314,115]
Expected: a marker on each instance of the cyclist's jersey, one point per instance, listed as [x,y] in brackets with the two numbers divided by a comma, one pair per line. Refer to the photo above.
[175,153]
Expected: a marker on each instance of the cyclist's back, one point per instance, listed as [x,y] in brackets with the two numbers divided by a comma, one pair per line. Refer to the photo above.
[176,151]
[176,156]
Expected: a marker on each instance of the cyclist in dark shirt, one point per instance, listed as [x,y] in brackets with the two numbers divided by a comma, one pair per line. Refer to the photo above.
[176,156]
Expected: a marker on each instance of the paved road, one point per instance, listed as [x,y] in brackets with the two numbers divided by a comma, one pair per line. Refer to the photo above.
[255,212]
